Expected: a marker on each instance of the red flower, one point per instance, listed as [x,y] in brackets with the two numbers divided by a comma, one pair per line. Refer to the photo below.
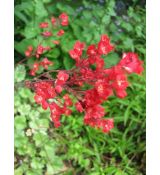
[27,53]
[67,100]
[103,89]
[38,99]
[56,42]
[44,91]
[45,63]
[92,51]
[53,20]
[60,32]
[55,109]
[79,46]
[107,125]
[32,73]
[87,74]
[35,67]
[91,99]
[99,63]
[64,19]
[76,53]
[47,34]
[46,48]
[40,49]
[121,93]
[96,111]
[104,46]
[62,77]
[56,112]
[131,63]
[58,88]
[44,105]
[67,111]
[120,82]
[79,107]
[30,48]
[105,38]
[43,25]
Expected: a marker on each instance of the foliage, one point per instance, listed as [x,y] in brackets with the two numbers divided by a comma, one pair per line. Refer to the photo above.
[74,148]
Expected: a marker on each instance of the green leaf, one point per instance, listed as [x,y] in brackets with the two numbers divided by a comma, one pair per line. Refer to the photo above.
[127,113]
[24,109]
[43,123]
[22,45]
[17,100]
[87,14]
[128,44]
[20,140]
[65,8]
[111,59]
[37,163]
[120,173]
[40,138]
[53,53]
[34,171]
[40,9]
[21,16]
[106,19]
[25,93]
[20,122]
[18,171]
[21,169]
[31,31]
[55,167]
[33,114]
[111,8]
[76,29]
[39,124]
[127,26]
[19,73]
[31,150]
[98,13]
[22,10]
[67,43]
[56,64]
[46,1]
[68,62]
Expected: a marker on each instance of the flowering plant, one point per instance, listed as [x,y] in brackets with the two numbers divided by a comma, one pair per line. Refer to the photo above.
[87,85]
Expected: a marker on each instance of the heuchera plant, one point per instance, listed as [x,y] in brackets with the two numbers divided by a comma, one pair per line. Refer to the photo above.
[87,85]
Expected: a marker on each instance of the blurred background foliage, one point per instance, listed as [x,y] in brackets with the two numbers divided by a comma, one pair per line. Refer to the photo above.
[75,149]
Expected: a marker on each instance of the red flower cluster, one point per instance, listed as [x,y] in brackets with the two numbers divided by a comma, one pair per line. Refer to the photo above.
[45,91]
[89,72]
[40,50]
[102,82]
[62,19]
[104,46]
[37,52]
[44,63]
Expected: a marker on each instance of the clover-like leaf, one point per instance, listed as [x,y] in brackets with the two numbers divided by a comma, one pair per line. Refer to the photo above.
[20,73]
[20,122]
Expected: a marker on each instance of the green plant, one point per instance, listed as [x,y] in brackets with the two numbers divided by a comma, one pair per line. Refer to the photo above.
[76,148]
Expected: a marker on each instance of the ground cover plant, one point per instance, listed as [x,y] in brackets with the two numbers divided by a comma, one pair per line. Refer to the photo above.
[41,148]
